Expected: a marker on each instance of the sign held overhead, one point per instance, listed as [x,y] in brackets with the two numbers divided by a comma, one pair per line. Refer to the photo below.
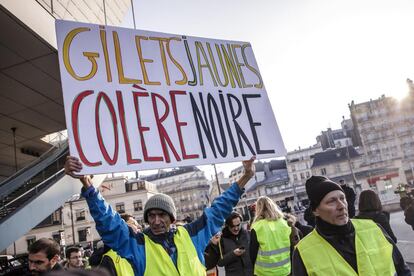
[138,100]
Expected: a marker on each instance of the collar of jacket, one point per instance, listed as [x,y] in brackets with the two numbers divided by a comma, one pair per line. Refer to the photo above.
[327,229]
[161,239]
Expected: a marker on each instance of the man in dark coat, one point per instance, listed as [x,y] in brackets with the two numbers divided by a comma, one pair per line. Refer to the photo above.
[339,233]
[44,256]
[407,204]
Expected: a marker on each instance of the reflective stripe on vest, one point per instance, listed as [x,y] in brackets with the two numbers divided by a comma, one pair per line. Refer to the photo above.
[121,265]
[373,253]
[159,263]
[273,257]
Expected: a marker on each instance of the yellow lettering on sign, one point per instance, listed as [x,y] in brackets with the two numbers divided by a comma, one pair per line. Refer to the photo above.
[90,55]
[142,61]
[161,41]
[200,49]
[118,58]
[251,68]
[105,52]
[184,80]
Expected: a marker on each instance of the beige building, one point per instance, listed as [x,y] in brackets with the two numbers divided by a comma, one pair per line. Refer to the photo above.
[75,225]
[338,163]
[299,163]
[224,185]
[385,127]
[188,187]
[348,164]
[271,179]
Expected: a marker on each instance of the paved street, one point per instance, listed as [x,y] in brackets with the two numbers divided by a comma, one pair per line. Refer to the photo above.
[405,236]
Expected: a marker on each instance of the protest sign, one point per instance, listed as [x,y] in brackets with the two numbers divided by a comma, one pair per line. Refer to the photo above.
[138,100]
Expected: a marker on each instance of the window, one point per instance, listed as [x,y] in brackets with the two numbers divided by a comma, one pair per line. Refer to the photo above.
[302,175]
[141,185]
[57,216]
[307,174]
[56,236]
[338,168]
[82,235]
[323,171]
[295,177]
[80,215]
[130,186]
[30,240]
[137,205]
[137,186]
[120,207]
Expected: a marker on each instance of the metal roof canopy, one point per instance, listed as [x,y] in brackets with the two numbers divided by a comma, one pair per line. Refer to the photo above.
[30,92]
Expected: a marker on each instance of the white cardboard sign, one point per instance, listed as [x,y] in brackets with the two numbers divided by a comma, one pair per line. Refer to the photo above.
[138,100]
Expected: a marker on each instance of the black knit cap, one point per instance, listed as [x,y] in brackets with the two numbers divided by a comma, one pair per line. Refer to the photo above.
[317,187]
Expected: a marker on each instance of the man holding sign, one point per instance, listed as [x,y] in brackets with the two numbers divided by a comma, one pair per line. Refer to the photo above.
[160,250]
[137,100]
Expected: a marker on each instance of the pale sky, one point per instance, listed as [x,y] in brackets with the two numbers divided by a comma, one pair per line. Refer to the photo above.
[315,56]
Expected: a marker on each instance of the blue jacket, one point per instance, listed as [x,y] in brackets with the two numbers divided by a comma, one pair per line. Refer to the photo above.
[116,234]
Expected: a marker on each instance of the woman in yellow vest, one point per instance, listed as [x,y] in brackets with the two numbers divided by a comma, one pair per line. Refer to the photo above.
[271,239]
[340,246]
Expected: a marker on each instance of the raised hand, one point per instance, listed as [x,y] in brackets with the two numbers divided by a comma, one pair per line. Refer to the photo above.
[249,171]
[249,167]
[72,166]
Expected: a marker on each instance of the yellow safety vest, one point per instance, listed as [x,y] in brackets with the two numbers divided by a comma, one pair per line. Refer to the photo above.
[273,257]
[122,266]
[159,263]
[373,253]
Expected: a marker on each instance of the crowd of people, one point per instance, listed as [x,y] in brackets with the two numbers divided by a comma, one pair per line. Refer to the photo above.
[273,243]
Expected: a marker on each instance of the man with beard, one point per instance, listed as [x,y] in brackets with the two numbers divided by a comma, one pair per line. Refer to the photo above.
[160,249]
[340,246]
[74,258]
[44,256]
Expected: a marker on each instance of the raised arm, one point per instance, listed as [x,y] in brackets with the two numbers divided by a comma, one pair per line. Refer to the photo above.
[110,226]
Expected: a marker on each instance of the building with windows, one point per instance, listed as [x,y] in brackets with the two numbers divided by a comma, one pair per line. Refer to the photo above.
[188,187]
[299,167]
[271,179]
[337,163]
[348,164]
[73,224]
[333,138]
[385,127]
[221,181]
[338,138]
